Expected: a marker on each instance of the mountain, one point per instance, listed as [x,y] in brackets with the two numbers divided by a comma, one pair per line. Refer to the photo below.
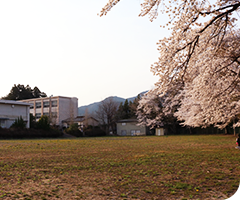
[94,106]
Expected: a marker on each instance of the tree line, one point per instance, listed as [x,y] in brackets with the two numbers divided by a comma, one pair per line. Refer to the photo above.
[21,92]
[110,111]
[150,109]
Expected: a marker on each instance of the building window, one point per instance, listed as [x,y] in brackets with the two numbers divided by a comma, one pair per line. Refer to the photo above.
[54,114]
[38,104]
[46,114]
[54,103]
[31,107]
[80,123]
[138,131]
[46,104]
[133,132]
[38,115]
[123,124]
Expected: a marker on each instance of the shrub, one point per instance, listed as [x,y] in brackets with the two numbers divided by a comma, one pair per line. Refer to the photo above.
[33,123]
[19,123]
[43,123]
[19,133]
[94,131]
[74,130]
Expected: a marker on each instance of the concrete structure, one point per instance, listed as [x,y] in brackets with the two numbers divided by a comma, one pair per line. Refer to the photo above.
[129,127]
[58,108]
[12,110]
[82,121]
[159,131]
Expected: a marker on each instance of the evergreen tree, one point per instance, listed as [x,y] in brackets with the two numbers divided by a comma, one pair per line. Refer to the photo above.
[133,106]
[119,114]
[126,110]
[20,92]
[123,111]
[43,123]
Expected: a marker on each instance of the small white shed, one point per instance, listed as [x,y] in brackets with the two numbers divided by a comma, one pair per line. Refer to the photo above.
[129,127]
[159,131]
[11,110]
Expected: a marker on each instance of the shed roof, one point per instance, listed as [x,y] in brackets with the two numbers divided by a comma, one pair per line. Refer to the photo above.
[47,98]
[12,102]
[127,120]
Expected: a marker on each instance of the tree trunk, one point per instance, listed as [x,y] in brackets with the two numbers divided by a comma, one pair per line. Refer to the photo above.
[226,132]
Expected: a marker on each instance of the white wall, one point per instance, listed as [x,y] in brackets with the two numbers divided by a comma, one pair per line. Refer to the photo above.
[14,111]
[68,108]
[131,128]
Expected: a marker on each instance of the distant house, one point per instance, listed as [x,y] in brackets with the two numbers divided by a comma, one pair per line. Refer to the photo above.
[57,108]
[12,110]
[129,127]
[82,121]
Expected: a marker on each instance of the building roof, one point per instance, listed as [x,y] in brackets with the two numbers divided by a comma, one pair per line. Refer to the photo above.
[44,98]
[127,120]
[12,102]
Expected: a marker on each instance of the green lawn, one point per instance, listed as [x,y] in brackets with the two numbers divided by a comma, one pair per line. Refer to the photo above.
[166,167]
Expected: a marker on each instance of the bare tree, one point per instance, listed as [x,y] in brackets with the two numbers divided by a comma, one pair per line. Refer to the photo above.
[86,117]
[106,113]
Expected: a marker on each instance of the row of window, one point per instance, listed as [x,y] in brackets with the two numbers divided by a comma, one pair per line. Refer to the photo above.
[46,104]
[38,115]
[132,132]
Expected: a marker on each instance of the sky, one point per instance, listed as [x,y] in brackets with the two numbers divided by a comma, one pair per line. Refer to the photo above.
[65,49]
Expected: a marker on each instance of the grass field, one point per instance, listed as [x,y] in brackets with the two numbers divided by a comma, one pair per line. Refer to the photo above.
[166,167]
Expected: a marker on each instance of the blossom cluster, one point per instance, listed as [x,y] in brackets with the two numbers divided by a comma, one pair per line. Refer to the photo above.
[199,63]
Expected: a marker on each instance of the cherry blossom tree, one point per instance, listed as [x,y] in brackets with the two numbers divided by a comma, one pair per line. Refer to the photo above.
[153,111]
[201,55]
[149,111]
[213,96]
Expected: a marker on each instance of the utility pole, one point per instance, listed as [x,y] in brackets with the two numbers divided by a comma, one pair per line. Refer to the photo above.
[50,109]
